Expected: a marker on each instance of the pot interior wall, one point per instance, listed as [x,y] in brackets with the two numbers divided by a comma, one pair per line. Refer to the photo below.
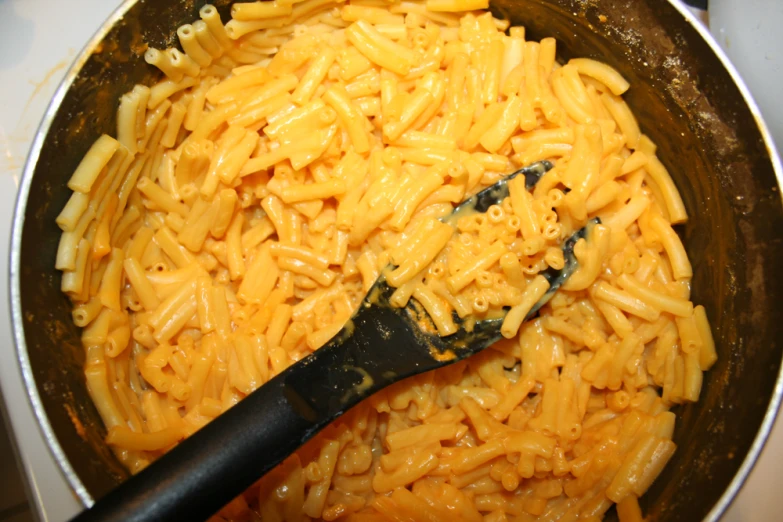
[685,101]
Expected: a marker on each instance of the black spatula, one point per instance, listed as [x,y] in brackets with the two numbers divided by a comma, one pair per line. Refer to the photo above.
[379,346]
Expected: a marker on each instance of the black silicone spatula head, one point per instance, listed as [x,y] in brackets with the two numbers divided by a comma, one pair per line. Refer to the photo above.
[379,346]
[383,344]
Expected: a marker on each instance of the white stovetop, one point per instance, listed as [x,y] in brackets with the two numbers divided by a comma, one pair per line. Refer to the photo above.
[38,41]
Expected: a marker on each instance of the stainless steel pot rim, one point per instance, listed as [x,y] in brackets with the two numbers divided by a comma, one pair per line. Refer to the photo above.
[21,206]
[15,256]
[743,472]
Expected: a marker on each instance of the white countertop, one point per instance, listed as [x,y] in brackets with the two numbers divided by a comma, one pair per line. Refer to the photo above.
[38,41]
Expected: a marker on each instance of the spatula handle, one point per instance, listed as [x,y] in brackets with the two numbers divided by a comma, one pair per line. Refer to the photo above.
[204,472]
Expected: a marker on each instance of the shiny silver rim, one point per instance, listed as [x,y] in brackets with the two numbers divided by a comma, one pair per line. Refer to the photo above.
[21,204]
[752,456]
[16,246]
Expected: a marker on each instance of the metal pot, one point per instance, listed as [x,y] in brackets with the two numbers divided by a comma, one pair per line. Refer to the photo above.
[687,97]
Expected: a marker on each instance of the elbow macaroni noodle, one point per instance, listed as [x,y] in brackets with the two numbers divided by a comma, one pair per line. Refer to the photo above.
[252,197]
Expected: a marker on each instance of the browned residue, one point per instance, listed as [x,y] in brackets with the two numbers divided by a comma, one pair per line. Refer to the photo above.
[77,424]
[665,55]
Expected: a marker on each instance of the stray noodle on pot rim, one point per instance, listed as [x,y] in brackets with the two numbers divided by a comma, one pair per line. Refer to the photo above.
[252,197]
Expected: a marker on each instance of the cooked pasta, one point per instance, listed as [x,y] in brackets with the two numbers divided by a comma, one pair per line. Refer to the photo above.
[291,157]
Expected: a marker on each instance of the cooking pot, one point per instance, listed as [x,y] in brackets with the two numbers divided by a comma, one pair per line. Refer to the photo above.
[688,99]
